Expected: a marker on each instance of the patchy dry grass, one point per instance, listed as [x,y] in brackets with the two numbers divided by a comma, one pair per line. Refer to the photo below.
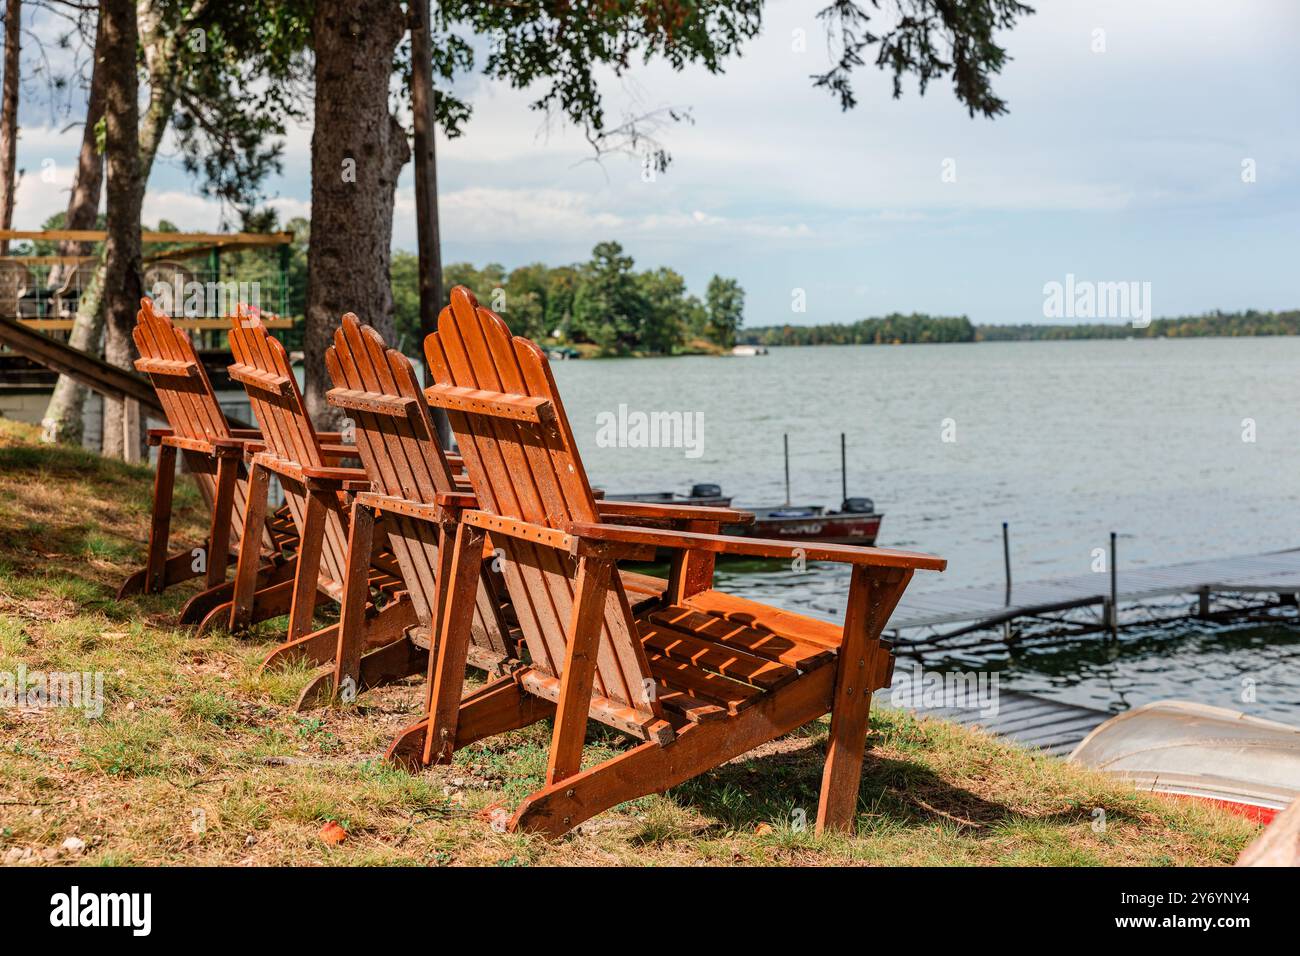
[197,759]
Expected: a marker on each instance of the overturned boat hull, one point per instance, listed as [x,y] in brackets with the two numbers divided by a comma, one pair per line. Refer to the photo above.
[1246,764]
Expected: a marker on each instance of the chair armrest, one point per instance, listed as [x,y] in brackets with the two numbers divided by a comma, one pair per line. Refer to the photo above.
[755,547]
[456,499]
[559,539]
[339,450]
[156,435]
[648,509]
[349,479]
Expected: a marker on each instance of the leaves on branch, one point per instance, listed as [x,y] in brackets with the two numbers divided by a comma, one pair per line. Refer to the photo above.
[930,38]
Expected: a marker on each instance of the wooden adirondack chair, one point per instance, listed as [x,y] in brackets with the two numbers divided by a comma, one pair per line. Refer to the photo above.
[213,452]
[398,445]
[702,678]
[318,495]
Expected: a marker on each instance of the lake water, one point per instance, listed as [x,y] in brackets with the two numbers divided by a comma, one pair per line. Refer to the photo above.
[1066,441]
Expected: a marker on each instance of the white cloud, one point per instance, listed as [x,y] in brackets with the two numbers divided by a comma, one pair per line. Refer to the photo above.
[188,211]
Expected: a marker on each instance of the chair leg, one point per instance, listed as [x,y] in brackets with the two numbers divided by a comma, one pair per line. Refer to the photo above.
[306,579]
[177,567]
[265,603]
[873,595]
[581,645]
[164,483]
[458,588]
[222,519]
[393,658]
[201,605]
[356,593]
[495,708]
[381,626]
[241,605]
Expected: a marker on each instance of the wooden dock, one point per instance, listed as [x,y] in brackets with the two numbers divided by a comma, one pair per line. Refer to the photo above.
[1038,723]
[1214,589]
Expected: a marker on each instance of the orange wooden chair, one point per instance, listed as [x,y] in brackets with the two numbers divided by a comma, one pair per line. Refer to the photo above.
[398,445]
[318,494]
[701,678]
[213,451]
[408,469]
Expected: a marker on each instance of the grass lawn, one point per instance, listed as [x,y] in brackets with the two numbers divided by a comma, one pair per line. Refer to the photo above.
[199,760]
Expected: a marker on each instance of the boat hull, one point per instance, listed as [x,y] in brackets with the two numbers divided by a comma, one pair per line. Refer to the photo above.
[825,529]
[1194,751]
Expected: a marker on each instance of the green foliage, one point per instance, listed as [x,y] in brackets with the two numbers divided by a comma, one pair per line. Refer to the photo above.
[925,38]
[604,302]
[241,74]
[609,308]
[561,52]
[726,310]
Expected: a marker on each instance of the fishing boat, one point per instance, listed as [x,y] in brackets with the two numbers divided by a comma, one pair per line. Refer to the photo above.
[856,521]
[1245,764]
[706,496]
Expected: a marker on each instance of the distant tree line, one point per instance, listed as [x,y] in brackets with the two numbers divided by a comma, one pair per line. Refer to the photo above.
[896,329]
[602,303]
[1249,322]
[893,329]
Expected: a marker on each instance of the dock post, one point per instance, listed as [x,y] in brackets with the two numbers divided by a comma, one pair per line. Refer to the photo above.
[1006,563]
[1114,591]
[844,473]
[786,441]
[1006,558]
[1203,602]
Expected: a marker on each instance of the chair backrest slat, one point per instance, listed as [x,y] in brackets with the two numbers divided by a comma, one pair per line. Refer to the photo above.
[397,442]
[526,466]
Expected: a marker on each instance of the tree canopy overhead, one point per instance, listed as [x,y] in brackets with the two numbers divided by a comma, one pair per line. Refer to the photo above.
[561,46]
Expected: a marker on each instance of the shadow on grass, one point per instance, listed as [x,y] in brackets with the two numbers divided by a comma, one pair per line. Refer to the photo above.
[783,787]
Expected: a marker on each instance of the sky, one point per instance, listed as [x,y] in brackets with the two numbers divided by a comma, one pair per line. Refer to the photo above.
[1123,163]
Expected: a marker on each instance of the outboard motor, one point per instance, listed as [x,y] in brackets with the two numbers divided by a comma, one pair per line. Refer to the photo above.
[706,491]
[858,506]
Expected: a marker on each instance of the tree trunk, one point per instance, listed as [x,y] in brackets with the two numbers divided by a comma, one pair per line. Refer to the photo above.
[426,190]
[357,151]
[122,286]
[9,118]
[63,416]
